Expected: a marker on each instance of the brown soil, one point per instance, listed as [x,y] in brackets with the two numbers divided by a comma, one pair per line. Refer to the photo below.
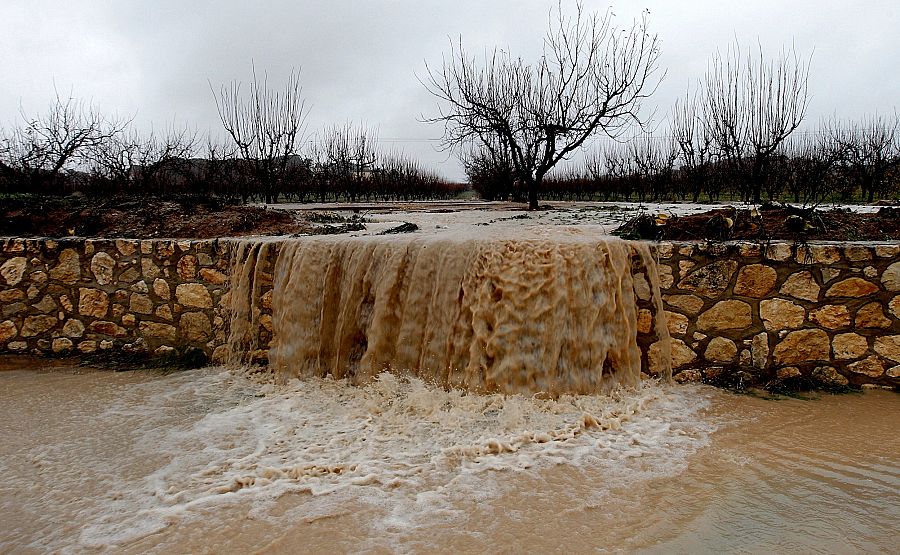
[768,223]
[146,218]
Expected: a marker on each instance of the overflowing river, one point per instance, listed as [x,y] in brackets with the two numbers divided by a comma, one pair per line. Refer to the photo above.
[218,461]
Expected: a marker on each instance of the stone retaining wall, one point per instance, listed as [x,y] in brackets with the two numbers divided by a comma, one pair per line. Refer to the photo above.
[84,296]
[829,313]
[826,313]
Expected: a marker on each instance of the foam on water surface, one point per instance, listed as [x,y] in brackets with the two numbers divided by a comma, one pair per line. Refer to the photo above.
[172,449]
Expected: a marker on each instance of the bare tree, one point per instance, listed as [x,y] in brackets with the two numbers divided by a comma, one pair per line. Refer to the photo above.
[350,158]
[695,148]
[490,171]
[150,165]
[590,79]
[46,145]
[751,105]
[869,152]
[267,128]
[810,160]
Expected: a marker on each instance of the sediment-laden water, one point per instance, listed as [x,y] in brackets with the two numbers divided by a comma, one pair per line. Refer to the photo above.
[215,461]
[510,315]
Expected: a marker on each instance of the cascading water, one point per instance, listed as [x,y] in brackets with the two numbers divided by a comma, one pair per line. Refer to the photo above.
[514,315]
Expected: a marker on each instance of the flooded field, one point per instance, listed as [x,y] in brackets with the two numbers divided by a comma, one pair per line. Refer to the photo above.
[211,461]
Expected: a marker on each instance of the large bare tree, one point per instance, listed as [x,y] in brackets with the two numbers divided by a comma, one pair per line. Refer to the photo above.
[590,79]
[267,128]
[750,106]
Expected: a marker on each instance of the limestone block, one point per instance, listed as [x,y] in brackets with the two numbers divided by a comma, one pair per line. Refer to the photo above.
[161,289]
[894,306]
[857,253]
[140,287]
[87,347]
[36,325]
[68,268]
[108,328]
[759,350]
[726,315]
[831,317]
[193,295]
[11,295]
[62,345]
[711,280]
[155,330]
[889,347]
[13,270]
[849,346]
[803,346]
[93,302]
[801,285]
[677,323]
[778,252]
[73,328]
[871,366]
[818,254]
[165,350]
[644,321]
[721,349]
[141,303]
[887,251]
[126,247]
[788,372]
[213,276]
[852,287]
[102,266]
[129,276]
[755,280]
[148,269]
[164,312]
[187,267]
[872,316]
[39,278]
[195,326]
[17,346]
[666,277]
[891,277]
[8,331]
[665,250]
[46,305]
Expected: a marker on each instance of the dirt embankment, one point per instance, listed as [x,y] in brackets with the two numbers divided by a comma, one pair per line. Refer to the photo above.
[148,218]
[767,223]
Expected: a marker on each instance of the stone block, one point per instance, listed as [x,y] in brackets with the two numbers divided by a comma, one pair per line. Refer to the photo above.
[726,315]
[803,346]
[755,280]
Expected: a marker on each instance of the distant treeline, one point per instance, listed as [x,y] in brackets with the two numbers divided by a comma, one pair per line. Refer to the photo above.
[74,148]
[839,162]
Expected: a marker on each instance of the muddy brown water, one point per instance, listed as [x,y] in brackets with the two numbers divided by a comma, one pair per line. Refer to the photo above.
[214,461]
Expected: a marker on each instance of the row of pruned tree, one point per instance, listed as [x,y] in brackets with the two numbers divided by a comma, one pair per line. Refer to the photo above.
[840,161]
[267,155]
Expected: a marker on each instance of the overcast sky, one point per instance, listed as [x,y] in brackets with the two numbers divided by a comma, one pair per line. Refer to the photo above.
[360,59]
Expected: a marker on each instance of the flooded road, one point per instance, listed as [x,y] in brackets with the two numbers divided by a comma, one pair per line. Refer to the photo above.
[210,461]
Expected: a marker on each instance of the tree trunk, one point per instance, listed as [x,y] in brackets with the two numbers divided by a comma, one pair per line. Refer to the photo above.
[532,196]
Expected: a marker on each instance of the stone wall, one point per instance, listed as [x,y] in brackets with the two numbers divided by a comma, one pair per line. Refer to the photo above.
[737,312]
[826,313]
[85,296]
